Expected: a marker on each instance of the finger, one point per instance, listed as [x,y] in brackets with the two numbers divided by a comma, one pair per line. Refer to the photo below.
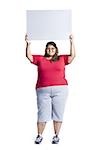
[26,37]
[71,37]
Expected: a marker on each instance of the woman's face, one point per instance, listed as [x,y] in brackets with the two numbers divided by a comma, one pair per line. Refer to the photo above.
[51,50]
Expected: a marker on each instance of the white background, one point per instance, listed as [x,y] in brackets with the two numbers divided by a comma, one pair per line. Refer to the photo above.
[18,77]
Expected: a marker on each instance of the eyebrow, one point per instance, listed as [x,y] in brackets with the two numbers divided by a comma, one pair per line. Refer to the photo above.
[52,47]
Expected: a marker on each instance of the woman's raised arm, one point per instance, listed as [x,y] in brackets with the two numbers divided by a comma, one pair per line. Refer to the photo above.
[28,52]
[72,50]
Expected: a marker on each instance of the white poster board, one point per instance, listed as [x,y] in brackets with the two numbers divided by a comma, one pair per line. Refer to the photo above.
[49,24]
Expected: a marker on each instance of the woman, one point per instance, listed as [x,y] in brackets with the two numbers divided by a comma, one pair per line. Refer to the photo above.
[51,86]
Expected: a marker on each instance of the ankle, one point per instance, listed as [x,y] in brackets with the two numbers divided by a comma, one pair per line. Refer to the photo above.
[56,134]
[39,134]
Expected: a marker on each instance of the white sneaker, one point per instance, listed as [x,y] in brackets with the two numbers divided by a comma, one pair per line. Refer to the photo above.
[55,140]
[38,139]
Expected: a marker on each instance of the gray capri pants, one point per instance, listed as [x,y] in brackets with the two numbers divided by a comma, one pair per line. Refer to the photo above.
[51,102]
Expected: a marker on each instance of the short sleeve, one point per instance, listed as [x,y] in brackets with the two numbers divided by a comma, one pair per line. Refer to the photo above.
[35,59]
[66,59]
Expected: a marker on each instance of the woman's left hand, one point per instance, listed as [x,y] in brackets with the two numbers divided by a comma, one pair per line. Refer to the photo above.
[71,37]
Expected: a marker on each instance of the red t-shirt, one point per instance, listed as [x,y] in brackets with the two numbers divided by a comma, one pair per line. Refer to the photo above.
[50,73]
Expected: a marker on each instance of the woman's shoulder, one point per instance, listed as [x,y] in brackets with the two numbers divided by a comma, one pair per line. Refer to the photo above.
[64,55]
[38,56]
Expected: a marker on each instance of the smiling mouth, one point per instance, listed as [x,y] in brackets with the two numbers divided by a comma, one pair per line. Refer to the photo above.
[51,52]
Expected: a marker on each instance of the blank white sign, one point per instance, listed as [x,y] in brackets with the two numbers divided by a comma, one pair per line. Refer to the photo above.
[49,24]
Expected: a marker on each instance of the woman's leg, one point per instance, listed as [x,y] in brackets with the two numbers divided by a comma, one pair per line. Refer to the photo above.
[58,106]
[44,111]
[40,127]
[57,126]
[44,108]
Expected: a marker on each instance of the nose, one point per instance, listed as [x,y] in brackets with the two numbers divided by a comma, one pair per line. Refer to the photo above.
[50,50]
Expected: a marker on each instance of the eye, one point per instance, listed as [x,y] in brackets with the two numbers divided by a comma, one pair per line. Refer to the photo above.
[53,49]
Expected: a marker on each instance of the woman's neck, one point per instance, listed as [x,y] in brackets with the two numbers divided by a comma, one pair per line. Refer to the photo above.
[49,57]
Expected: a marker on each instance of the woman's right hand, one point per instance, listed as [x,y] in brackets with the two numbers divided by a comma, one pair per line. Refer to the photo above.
[28,52]
[26,39]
